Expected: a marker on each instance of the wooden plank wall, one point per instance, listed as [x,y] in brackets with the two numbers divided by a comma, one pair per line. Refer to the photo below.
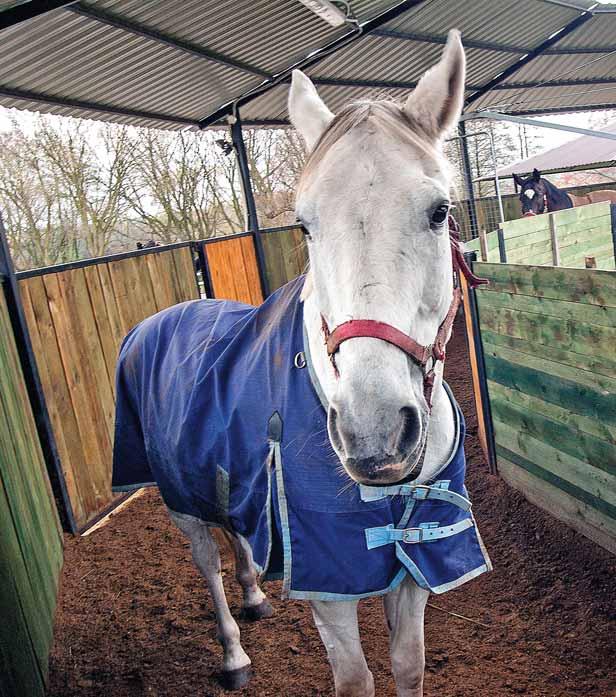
[549,337]
[286,256]
[233,269]
[579,232]
[77,319]
[30,537]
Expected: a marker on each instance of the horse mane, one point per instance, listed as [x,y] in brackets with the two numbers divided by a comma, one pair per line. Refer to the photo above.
[557,196]
[387,117]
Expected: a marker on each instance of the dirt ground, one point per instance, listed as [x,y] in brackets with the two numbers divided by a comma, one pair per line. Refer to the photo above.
[134,617]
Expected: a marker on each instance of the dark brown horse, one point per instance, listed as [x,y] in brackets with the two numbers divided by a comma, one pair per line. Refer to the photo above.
[537,194]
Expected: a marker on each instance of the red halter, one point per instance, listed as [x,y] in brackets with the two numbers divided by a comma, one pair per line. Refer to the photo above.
[424,356]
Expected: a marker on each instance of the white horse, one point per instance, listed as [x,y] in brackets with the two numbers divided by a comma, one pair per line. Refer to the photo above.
[373,198]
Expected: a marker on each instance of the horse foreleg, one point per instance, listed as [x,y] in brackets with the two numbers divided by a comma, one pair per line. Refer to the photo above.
[235,663]
[404,610]
[337,625]
[255,605]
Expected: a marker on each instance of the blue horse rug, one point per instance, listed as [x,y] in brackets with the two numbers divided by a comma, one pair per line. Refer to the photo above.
[217,404]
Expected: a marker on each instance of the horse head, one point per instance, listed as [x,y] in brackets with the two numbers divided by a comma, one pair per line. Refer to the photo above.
[532,193]
[374,201]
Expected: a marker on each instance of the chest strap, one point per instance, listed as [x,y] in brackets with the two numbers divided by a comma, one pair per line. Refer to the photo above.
[417,492]
[377,537]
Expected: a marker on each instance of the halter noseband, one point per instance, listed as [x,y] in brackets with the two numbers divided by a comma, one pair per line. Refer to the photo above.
[424,356]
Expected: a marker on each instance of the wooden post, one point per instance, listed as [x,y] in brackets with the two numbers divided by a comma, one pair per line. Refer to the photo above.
[483,244]
[502,249]
[485,431]
[554,240]
[590,262]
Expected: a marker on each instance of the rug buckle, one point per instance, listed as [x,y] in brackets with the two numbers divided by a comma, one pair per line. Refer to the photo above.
[412,536]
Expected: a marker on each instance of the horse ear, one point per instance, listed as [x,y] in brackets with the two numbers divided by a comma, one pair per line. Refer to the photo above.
[536,175]
[307,111]
[436,103]
[518,180]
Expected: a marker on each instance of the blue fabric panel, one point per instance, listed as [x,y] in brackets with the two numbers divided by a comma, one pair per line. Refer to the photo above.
[196,387]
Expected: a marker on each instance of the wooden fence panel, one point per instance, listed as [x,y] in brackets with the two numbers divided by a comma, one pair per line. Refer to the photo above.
[233,269]
[578,232]
[549,339]
[30,542]
[286,256]
[77,319]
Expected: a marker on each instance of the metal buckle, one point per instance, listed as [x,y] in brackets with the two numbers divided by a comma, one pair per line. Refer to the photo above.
[423,488]
[407,536]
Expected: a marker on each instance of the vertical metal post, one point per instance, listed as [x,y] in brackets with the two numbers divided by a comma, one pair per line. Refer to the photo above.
[8,286]
[481,369]
[237,137]
[204,267]
[613,217]
[496,179]
[468,179]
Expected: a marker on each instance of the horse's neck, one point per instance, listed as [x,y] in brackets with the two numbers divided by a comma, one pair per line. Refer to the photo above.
[557,200]
[442,426]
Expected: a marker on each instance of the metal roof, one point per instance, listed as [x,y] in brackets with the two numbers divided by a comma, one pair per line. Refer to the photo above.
[184,63]
[584,152]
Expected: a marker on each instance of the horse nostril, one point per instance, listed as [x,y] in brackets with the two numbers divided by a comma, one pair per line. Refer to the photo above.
[410,430]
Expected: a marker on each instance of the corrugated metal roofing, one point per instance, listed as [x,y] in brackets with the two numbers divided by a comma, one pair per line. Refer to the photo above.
[175,64]
[581,152]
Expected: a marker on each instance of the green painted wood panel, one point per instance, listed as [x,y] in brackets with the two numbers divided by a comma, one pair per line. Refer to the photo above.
[581,232]
[31,542]
[549,339]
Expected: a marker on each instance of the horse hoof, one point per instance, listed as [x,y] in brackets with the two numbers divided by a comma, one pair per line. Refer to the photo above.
[261,611]
[236,679]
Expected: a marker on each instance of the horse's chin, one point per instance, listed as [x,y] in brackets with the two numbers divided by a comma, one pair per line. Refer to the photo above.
[390,474]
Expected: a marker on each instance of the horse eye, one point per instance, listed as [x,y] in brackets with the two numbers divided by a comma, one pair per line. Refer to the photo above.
[440,213]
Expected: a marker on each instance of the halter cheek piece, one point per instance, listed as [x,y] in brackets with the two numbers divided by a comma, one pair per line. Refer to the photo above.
[423,356]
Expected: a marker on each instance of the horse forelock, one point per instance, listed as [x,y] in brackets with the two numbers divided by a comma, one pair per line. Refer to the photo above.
[386,117]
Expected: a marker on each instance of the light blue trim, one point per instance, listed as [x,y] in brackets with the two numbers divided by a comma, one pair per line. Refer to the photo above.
[314,595]
[411,567]
[314,379]
[132,487]
[380,536]
[444,587]
[284,521]
[418,492]
[268,513]
[408,512]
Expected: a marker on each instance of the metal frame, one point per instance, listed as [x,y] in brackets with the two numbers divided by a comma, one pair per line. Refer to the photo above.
[312,59]
[28,10]
[471,258]
[239,146]
[468,180]
[569,28]
[28,96]
[36,396]
[127,25]
[80,263]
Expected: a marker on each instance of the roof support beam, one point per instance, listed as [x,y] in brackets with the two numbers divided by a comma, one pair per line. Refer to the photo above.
[29,10]
[556,83]
[311,59]
[28,96]
[487,46]
[127,25]
[497,116]
[436,39]
[535,53]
